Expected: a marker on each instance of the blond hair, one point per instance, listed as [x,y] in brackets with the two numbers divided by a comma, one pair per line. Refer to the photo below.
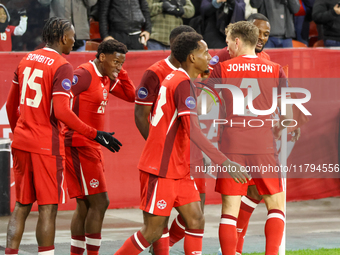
[244,30]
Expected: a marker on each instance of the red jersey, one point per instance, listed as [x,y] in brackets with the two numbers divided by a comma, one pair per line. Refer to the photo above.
[40,75]
[6,39]
[163,154]
[239,134]
[91,91]
[147,91]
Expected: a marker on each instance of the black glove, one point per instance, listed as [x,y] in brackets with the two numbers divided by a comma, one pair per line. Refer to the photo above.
[176,10]
[108,141]
[22,12]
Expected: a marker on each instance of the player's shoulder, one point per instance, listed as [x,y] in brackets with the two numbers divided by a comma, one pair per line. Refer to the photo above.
[263,55]
[162,67]
[221,56]
[175,78]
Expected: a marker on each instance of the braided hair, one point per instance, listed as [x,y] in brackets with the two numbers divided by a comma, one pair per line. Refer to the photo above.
[54,29]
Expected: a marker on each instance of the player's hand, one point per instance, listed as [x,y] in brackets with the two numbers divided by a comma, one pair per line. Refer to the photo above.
[297,134]
[171,9]
[236,171]
[22,12]
[277,131]
[108,141]
[205,75]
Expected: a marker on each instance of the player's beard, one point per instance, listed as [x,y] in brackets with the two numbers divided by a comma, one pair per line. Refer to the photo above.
[259,51]
[3,26]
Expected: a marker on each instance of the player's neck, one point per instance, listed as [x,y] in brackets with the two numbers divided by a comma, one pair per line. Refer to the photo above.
[99,67]
[55,47]
[174,61]
[191,70]
[247,51]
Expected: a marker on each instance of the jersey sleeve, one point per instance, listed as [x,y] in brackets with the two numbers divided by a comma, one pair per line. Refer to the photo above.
[81,81]
[11,29]
[123,87]
[12,105]
[185,99]
[62,80]
[283,82]
[147,91]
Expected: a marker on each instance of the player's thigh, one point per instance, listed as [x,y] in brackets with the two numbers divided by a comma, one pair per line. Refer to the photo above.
[49,178]
[225,184]
[23,176]
[157,194]
[252,191]
[268,180]
[84,171]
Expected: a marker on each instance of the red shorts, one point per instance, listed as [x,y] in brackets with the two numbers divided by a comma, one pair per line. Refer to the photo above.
[84,171]
[160,195]
[39,177]
[266,183]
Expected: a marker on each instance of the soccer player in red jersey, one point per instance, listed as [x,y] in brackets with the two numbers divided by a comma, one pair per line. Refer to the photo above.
[164,173]
[37,103]
[146,96]
[92,83]
[248,145]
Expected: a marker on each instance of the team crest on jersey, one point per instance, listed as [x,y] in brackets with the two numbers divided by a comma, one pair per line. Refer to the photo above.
[66,83]
[75,80]
[214,60]
[105,94]
[190,102]
[94,183]
[142,93]
[169,76]
[161,204]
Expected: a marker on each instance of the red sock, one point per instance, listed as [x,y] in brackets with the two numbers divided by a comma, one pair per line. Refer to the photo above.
[227,234]
[93,242]
[9,251]
[177,230]
[78,245]
[193,241]
[46,250]
[161,246]
[274,230]
[248,205]
[134,245]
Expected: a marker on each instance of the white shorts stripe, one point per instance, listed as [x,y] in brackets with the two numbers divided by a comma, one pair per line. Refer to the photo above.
[62,189]
[228,222]
[153,202]
[145,103]
[193,234]
[138,242]
[276,215]
[93,241]
[83,180]
[248,202]
[179,224]
[77,243]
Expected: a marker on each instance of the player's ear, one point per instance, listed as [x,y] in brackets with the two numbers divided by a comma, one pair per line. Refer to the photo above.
[101,57]
[192,58]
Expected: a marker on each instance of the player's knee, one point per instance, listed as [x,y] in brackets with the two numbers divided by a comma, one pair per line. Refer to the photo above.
[196,222]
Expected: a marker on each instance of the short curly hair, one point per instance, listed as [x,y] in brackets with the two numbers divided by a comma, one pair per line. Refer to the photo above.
[244,30]
[185,44]
[111,46]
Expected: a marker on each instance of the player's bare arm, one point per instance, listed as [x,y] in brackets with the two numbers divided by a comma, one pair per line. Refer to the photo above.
[142,113]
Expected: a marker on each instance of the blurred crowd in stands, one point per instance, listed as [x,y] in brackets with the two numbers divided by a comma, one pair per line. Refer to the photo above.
[146,24]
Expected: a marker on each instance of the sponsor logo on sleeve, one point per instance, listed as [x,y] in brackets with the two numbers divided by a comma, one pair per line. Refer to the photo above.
[214,60]
[142,93]
[190,102]
[75,80]
[66,84]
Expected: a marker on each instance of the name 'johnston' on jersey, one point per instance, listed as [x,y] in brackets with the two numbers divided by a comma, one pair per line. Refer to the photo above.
[246,67]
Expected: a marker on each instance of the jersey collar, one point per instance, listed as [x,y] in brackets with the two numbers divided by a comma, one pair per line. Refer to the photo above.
[169,64]
[250,56]
[182,70]
[96,69]
[49,49]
